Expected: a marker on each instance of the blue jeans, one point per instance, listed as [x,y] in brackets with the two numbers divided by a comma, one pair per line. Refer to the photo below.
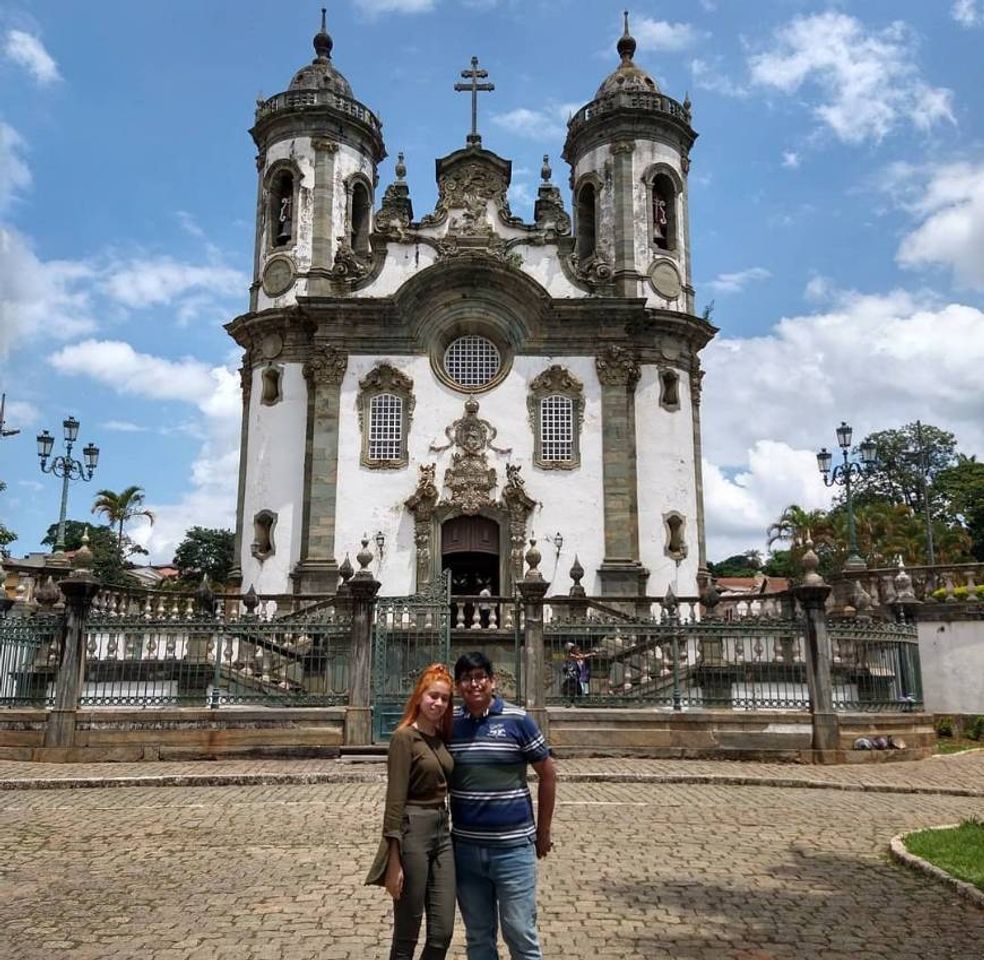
[497,885]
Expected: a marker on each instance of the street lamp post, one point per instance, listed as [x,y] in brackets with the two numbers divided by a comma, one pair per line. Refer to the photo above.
[843,474]
[66,467]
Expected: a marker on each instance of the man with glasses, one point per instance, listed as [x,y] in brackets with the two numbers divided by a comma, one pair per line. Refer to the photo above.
[496,840]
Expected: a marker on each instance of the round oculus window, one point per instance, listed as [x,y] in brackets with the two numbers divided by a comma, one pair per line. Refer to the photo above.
[472,361]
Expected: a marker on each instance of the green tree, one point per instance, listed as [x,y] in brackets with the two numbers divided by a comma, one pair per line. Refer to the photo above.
[745,564]
[105,548]
[7,536]
[962,488]
[205,551]
[119,509]
[903,454]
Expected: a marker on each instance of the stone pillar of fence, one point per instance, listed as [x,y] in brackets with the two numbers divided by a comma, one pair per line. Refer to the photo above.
[812,595]
[79,588]
[362,590]
[533,588]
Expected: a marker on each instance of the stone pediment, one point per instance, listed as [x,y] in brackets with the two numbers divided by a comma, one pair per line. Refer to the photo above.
[472,184]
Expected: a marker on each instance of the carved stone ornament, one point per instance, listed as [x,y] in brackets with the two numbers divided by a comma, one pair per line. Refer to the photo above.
[557,379]
[246,376]
[617,367]
[593,271]
[326,365]
[518,506]
[549,213]
[394,217]
[278,276]
[324,145]
[348,265]
[468,188]
[470,479]
[696,379]
[422,501]
[665,279]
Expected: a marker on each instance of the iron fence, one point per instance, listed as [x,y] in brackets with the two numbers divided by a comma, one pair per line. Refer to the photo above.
[197,661]
[29,657]
[875,666]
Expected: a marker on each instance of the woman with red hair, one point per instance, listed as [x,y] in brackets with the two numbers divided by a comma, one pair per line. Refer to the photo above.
[415,861]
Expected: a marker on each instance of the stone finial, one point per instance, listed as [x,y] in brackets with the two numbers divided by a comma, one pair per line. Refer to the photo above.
[250,600]
[710,597]
[626,43]
[533,557]
[401,167]
[903,584]
[322,40]
[364,556]
[346,569]
[669,601]
[545,172]
[48,595]
[810,561]
[576,574]
[205,598]
[83,556]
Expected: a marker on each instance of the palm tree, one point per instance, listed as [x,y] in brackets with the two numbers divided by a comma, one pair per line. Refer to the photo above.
[120,508]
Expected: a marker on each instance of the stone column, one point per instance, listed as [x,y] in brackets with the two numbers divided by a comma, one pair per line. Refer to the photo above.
[362,590]
[79,589]
[259,233]
[696,379]
[246,386]
[322,243]
[621,572]
[812,595]
[533,589]
[317,570]
[626,284]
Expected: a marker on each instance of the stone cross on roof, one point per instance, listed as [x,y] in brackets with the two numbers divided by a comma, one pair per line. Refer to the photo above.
[474,139]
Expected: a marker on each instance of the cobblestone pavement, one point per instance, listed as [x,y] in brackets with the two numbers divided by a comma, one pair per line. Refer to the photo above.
[954,774]
[642,870]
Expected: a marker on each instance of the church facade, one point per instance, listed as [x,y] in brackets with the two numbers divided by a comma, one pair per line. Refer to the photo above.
[455,385]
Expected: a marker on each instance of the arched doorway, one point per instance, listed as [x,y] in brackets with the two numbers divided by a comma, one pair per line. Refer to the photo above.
[470,550]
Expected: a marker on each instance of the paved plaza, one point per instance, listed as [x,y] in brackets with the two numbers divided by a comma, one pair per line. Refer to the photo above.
[750,862]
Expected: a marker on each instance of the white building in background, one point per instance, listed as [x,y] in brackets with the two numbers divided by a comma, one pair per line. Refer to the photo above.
[457,384]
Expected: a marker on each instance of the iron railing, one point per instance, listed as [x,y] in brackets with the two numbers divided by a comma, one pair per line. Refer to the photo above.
[29,656]
[875,666]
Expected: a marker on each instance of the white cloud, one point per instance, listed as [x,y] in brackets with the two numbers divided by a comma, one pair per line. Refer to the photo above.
[866,82]
[968,13]
[116,364]
[373,8]
[144,282]
[549,122]
[122,426]
[819,289]
[949,202]
[876,360]
[736,282]
[39,299]
[19,414]
[770,402]
[709,75]
[214,391]
[14,172]
[28,51]
[790,159]
[660,35]
[740,508]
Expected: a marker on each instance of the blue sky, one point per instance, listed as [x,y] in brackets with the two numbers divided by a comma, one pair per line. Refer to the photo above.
[836,201]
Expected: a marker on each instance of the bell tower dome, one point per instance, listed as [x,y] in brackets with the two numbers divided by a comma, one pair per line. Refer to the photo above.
[629,152]
[318,150]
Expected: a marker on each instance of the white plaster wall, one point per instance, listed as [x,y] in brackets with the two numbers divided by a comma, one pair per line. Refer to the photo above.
[599,161]
[570,502]
[952,658]
[275,479]
[347,162]
[666,482]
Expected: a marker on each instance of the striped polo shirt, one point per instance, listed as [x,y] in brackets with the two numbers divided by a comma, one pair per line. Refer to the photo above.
[490,798]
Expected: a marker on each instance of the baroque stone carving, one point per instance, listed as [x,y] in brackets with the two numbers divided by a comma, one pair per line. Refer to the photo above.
[696,380]
[325,365]
[246,376]
[470,479]
[518,506]
[593,271]
[617,367]
[394,217]
[422,501]
[348,265]
[549,213]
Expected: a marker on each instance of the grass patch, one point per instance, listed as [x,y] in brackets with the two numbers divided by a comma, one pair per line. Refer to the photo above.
[957,850]
[947,745]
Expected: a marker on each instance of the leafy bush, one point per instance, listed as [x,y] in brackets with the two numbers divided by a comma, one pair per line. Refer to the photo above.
[944,727]
[975,729]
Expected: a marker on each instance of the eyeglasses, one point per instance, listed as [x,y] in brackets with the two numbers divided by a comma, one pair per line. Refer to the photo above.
[474,680]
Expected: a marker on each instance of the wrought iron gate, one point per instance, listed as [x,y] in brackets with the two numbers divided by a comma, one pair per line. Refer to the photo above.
[409,634]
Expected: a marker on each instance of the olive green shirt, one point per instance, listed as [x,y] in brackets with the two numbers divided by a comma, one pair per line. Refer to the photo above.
[418,769]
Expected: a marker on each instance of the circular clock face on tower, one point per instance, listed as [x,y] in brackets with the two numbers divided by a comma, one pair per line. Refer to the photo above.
[665,278]
[278,276]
